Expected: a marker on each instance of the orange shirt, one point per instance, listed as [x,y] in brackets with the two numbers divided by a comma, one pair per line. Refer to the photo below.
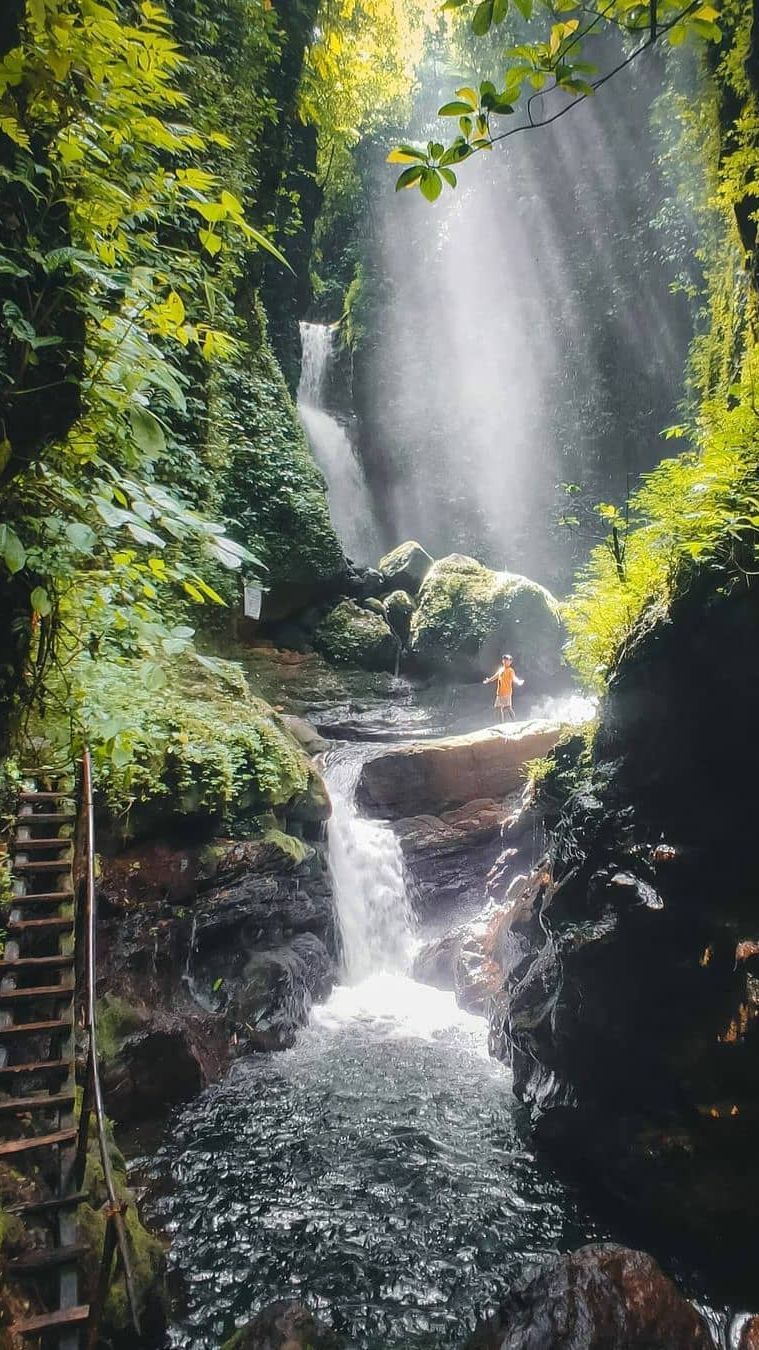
[505,686]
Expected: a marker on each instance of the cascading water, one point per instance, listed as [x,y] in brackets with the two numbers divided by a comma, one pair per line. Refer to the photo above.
[374,1171]
[373,912]
[349,501]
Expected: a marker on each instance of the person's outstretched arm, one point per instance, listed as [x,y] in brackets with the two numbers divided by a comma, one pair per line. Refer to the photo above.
[491,678]
[517,680]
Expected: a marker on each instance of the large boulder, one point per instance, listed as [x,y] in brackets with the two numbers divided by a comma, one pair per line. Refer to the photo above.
[352,636]
[277,990]
[597,1298]
[406,567]
[468,616]
[399,608]
[431,776]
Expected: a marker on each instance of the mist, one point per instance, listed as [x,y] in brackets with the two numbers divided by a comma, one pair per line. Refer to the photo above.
[527,333]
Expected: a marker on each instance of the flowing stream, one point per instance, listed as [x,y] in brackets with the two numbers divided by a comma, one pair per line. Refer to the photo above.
[350,505]
[374,1171]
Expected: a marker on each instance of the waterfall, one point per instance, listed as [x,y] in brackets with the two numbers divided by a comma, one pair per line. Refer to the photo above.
[349,499]
[366,863]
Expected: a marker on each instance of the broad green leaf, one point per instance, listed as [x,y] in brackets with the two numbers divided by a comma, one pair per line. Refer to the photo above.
[14,553]
[40,601]
[409,177]
[468,96]
[211,242]
[144,536]
[405,154]
[454,109]
[500,10]
[449,176]
[80,536]
[147,431]
[483,18]
[525,8]
[431,184]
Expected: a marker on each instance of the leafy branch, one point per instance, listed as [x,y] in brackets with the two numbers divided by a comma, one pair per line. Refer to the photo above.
[538,69]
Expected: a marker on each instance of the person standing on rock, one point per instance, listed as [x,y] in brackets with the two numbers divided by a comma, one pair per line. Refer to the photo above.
[504,679]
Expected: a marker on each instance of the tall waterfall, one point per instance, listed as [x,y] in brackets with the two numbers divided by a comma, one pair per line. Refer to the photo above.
[349,500]
[373,912]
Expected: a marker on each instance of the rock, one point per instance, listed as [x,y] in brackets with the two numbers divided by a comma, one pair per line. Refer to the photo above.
[152,1071]
[225,859]
[399,608]
[277,990]
[374,606]
[449,856]
[406,567]
[284,1326]
[350,635]
[629,1012]
[462,961]
[468,616]
[598,1298]
[313,806]
[749,1335]
[305,733]
[431,776]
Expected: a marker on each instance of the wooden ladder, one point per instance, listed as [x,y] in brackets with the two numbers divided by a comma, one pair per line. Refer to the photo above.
[37,1065]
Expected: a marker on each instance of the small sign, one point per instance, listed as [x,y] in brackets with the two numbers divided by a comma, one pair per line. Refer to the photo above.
[252,597]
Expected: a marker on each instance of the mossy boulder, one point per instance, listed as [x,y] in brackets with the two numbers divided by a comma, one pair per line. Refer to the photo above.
[350,635]
[406,567]
[468,615]
[399,608]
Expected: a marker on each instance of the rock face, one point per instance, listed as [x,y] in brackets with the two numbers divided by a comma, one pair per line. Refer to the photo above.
[406,567]
[597,1298]
[630,1003]
[468,616]
[432,776]
[350,635]
[210,949]
[449,856]
[284,1326]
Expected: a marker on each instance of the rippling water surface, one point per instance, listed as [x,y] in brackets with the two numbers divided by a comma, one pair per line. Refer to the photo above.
[373,1171]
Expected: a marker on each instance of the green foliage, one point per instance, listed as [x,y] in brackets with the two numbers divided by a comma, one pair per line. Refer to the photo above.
[273,488]
[702,508]
[185,737]
[116,1019]
[553,63]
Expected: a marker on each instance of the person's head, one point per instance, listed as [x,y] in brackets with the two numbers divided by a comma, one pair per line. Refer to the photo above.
[506,659]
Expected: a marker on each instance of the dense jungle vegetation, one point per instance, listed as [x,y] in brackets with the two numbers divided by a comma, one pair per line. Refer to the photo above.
[181,184]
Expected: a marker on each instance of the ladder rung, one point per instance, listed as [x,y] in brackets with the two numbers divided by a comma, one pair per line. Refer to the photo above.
[46,818]
[36,991]
[43,865]
[37,1141]
[42,898]
[22,845]
[47,1258]
[31,796]
[43,1206]
[40,1066]
[35,963]
[58,1025]
[17,1105]
[64,1317]
[39,925]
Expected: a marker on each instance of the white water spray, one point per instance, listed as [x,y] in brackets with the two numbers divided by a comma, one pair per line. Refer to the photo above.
[349,498]
[373,911]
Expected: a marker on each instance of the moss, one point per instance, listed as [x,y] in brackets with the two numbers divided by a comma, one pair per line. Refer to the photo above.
[200,744]
[146,1252]
[353,636]
[469,615]
[399,608]
[116,1019]
[274,491]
